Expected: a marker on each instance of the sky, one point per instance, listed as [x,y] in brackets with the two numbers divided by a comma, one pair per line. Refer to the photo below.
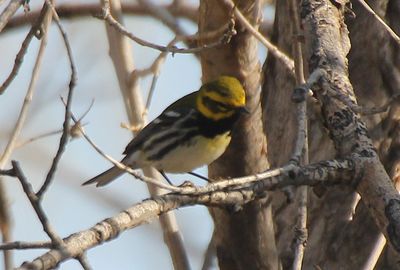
[69,206]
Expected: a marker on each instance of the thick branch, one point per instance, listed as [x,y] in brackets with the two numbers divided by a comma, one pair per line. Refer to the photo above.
[327,44]
[330,172]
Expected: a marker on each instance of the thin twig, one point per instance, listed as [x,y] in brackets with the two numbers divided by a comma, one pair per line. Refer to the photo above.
[25,106]
[29,94]
[26,245]
[106,15]
[77,10]
[44,135]
[66,126]
[155,70]
[46,19]
[36,30]
[9,172]
[164,15]
[275,51]
[379,19]
[35,202]
[301,147]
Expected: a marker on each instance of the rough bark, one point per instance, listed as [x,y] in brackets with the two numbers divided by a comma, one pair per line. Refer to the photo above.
[244,239]
[280,126]
[335,241]
[375,79]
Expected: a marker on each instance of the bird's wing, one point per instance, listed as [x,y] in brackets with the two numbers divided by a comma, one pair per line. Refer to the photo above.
[165,121]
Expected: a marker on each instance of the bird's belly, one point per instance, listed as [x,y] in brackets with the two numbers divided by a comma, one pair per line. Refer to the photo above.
[193,154]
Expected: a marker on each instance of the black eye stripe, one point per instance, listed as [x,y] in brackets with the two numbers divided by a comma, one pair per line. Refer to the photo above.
[222,91]
[212,105]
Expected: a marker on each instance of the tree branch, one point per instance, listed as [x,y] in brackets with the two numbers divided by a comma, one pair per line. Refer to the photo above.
[9,11]
[66,126]
[329,172]
[301,152]
[71,11]
[327,47]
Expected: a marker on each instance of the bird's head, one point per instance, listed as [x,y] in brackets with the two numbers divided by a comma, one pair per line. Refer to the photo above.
[221,98]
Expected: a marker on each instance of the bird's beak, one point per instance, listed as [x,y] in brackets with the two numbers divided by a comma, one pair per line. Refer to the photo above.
[244,110]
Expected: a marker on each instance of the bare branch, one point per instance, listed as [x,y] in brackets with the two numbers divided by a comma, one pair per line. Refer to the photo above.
[45,19]
[271,48]
[76,10]
[36,30]
[26,245]
[9,11]
[164,15]
[347,130]
[66,126]
[379,19]
[35,202]
[106,15]
[301,147]
[332,172]
[9,172]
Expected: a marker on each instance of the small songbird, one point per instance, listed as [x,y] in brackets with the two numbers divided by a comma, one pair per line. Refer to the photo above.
[193,131]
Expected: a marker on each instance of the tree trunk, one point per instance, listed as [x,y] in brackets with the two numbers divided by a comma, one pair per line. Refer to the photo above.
[244,238]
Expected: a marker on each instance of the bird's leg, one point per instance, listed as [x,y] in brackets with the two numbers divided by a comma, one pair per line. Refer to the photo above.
[199,176]
[165,177]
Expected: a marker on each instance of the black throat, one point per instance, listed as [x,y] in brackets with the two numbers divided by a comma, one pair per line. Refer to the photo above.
[210,128]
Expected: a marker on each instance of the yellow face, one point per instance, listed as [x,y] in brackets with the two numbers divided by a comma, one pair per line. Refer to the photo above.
[221,98]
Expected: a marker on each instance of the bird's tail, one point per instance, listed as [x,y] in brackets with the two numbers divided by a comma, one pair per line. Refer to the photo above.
[105,177]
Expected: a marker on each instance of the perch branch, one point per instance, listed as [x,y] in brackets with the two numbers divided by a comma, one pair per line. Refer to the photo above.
[329,172]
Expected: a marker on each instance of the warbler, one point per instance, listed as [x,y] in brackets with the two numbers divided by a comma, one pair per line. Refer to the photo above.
[193,131]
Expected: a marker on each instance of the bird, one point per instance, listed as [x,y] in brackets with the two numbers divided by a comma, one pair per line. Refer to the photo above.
[192,132]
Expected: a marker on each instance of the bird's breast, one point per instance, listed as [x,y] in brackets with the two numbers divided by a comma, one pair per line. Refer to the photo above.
[194,153]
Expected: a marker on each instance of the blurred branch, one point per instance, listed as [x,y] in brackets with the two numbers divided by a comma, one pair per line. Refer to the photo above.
[9,11]
[28,98]
[154,69]
[5,216]
[164,15]
[79,10]
[26,245]
[36,30]
[382,22]
[5,224]
[289,64]
[210,255]
[107,16]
